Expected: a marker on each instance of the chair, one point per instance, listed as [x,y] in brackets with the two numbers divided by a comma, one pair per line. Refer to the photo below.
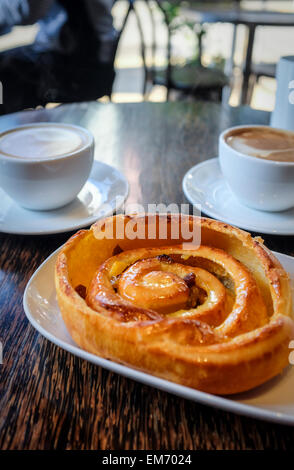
[191,78]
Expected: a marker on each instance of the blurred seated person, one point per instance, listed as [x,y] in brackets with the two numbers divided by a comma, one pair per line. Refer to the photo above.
[71,58]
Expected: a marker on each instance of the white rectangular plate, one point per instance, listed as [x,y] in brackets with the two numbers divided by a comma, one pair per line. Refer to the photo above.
[273,401]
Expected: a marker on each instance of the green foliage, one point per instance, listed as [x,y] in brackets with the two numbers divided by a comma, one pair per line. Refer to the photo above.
[175,21]
[171,10]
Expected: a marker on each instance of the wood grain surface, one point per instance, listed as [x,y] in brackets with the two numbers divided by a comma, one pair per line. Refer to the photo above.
[50,399]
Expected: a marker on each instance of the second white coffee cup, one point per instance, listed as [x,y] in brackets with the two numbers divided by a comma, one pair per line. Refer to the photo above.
[262,184]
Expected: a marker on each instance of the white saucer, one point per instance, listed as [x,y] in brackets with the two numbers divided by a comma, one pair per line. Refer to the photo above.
[105,191]
[273,401]
[204,184]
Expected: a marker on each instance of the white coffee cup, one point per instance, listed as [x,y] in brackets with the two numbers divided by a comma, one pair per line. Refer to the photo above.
[283,114]
[44,166]
[262,184]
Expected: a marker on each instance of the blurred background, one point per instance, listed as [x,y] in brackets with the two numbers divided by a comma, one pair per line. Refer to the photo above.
[192,50]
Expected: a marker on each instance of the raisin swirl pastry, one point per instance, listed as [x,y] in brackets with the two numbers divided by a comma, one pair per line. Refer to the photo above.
[216,317]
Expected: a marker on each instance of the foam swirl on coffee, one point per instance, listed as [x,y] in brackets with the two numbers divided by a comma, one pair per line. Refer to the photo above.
[263,142]
[41,142]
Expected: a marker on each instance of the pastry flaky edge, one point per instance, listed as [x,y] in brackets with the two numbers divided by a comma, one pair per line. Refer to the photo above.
[240,364]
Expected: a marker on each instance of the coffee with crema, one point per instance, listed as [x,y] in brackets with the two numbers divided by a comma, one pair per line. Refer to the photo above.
[41,143]
[263,142]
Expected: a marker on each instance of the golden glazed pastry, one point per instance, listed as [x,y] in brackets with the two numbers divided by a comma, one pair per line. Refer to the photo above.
[216,317]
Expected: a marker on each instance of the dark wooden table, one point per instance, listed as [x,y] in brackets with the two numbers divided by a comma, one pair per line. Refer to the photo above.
[50,399]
